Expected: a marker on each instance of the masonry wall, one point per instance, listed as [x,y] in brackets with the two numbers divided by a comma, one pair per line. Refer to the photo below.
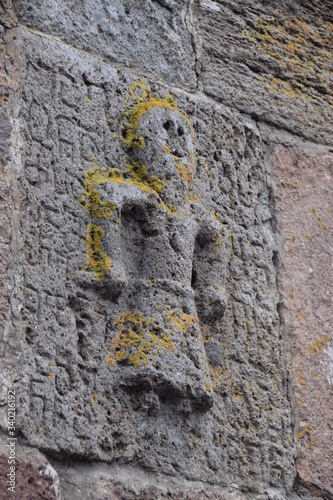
[166,248]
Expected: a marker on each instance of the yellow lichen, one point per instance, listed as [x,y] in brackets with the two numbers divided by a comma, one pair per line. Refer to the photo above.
[181,321]
[139,178]
[303,50]
[129,420]
[218,243]
[184,170]
[91,198]
[207,386]
[97,261]
[139,102]
[192,198]
[94,398]
[318,345]
[96,176]
[319,219]
[300,314]
[216,373]
[301,379]
[232,238]
[91,201]
[139,339]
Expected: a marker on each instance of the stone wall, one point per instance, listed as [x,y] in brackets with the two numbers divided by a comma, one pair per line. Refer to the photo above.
[166,248]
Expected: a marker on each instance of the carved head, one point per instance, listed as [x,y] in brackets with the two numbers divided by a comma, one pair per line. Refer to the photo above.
[160,140]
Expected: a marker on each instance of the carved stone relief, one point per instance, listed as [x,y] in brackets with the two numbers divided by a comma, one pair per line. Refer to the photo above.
[151,331]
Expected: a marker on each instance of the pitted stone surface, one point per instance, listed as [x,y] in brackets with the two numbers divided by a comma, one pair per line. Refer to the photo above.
[145,34]
[140,234]
[272,60]
[211,403]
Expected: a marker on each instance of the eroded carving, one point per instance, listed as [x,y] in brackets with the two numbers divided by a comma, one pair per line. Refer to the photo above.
[157,252]
[166,276]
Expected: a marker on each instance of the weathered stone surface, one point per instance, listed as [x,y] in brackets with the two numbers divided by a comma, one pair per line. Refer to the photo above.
[5,131]
[126,482]
[145,34]
[7,14]
[211,402]
[34,476]
[143,221]
[304,207]
[272,60]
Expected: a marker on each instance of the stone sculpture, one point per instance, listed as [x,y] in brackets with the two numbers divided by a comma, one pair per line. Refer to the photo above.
[156,253]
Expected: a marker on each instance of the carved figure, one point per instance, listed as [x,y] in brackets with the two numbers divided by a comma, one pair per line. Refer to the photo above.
[156,253]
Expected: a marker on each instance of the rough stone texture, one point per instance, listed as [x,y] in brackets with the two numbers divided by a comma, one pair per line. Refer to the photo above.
[210,406]
[150,35]
[119,482]
[304,207]
[5,130]
[272,60]
[147,220]
[9,284]
[35,477]
[7,14]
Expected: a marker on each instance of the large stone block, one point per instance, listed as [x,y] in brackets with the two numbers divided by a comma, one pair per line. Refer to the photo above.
[5,136]
[271,60]
[150,331]
[304,207]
